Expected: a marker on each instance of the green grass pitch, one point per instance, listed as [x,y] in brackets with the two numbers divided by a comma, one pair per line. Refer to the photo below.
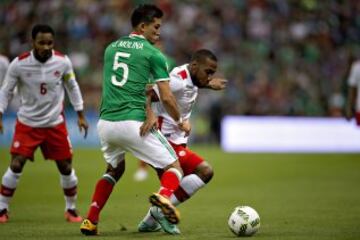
[298,196]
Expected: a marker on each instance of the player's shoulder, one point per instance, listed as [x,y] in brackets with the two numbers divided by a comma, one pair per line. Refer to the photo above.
[61,57]
[4,60]
[23,56]
[180,72]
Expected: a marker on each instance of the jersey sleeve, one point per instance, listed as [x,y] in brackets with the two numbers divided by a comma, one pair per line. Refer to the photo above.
[354,77]
[159,67]
[9,84]
[176,84]
[72,87]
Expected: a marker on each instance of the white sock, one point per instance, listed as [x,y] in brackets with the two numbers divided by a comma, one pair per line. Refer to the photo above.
[148,219]
[69,182]
[191,184]
[9,180]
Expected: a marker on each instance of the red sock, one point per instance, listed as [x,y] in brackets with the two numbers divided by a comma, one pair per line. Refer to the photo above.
[102,192]
[170,181]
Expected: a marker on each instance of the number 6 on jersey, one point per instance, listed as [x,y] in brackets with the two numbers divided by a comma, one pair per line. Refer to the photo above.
[124,66]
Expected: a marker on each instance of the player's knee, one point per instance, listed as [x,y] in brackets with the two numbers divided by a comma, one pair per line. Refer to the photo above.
[17,163]
[116,172]
[64,166]
[205,172]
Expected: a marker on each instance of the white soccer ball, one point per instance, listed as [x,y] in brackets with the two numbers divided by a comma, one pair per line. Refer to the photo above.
[244,221]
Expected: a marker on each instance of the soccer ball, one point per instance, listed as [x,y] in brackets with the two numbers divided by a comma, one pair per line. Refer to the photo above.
[244,221]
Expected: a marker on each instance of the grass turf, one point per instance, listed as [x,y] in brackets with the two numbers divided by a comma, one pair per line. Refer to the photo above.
[298,196]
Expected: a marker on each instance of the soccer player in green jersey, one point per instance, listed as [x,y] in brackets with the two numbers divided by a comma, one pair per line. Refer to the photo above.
[128,65]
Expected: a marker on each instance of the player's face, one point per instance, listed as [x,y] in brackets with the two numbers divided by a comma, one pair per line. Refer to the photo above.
[202,72]
[43,45]
[151,31]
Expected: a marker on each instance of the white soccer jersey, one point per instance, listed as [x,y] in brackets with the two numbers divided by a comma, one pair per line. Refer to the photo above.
[41,88]
[354,81]
[185,93]
[4,64]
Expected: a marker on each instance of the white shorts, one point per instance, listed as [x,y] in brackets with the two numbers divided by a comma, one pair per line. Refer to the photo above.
[121,136]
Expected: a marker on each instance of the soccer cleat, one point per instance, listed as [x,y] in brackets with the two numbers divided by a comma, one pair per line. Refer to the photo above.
[169,211]
[145,227]
[88,228]
[164,223]
[71,215]
[4,217]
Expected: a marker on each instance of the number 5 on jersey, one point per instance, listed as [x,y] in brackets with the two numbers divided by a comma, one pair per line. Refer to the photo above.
[124,66]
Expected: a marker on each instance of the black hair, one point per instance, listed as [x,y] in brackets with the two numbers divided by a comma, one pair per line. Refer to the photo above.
[41,28]
[145,13]
[202,54]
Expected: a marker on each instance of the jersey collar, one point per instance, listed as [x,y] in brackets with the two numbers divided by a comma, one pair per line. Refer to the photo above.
[136,34]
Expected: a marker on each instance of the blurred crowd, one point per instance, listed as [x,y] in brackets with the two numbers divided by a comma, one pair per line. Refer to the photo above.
[281,57]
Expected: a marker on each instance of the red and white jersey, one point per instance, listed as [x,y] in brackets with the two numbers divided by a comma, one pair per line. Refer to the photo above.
[354,81]
[41,88]
[185,93]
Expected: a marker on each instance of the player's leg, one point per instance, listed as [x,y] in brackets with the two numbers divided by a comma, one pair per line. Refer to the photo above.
[103,190]
[197,173]
[155,150]
[25,141]
[9,183]
[69,182]
[57,146]
[114,156]
[191,183]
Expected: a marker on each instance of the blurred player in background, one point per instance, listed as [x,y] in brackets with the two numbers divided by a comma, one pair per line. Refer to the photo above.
[128,64]
[41,75]
[185,82]
[4,64]
[353,99]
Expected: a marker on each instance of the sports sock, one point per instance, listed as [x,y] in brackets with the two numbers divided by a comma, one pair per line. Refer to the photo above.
[149,219]
[8,186]
[69,185]
[102,193]
[169,180]
[189,185]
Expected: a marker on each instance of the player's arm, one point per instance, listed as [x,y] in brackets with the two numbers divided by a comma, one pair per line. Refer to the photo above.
[160,73]
[217,84]
[73,90]
[151,119]
[7,89]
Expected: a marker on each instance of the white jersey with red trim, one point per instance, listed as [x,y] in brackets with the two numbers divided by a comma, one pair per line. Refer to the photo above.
[41,88]
[354,81]
[185,93]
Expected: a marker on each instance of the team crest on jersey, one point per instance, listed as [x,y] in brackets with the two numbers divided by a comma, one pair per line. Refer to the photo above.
[16,144]
[57,73]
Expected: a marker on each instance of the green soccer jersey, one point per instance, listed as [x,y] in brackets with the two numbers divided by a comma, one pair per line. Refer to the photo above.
[129,63]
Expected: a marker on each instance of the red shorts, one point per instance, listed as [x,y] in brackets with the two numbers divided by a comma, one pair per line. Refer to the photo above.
[53,141]
[357,117]
[188,159]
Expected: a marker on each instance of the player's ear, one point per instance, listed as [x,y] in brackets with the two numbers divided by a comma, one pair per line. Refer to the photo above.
[194,65]
[141,27]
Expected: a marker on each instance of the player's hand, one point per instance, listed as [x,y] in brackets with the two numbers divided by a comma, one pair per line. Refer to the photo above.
[150,122]
[185,126]
[83,125]
[217,83]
